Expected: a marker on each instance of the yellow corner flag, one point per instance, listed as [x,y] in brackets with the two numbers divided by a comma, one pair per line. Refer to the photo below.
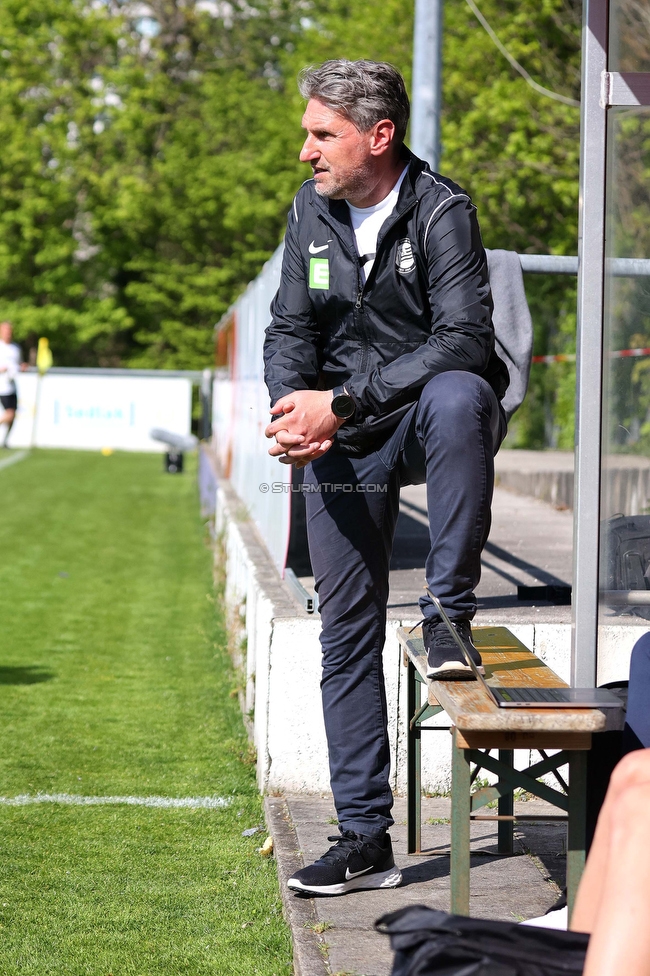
[43,355]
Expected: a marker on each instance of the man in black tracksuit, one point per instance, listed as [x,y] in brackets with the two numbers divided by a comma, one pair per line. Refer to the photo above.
[382,372]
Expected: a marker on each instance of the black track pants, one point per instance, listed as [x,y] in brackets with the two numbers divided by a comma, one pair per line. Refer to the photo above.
[448,439]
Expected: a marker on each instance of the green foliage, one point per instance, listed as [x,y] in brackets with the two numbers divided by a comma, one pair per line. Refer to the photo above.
[115,680]
[517,152]
[48,60]
[142,183]
[148,164]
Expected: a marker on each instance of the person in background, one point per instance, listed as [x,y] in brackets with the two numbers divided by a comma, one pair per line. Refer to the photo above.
[10,366]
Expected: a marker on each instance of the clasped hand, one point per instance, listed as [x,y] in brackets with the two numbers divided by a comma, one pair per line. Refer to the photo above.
[305,426]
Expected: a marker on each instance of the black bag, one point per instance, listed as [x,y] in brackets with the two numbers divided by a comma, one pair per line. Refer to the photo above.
[428,942]
[627,544]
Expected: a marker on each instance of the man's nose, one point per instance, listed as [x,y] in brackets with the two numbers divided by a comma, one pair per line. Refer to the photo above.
[308,151]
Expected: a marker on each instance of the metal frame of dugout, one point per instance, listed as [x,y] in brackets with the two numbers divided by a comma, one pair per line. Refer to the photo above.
[614,78]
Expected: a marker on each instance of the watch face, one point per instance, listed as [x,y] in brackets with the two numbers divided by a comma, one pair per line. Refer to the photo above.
[343,406]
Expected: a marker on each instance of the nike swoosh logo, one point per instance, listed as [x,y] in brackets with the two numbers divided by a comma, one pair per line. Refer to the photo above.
[349,875]
[316,250]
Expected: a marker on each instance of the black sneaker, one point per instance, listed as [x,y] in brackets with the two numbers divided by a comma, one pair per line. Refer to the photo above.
[354,862]
[444,656]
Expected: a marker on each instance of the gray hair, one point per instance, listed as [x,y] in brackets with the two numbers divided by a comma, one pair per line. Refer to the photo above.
[363,91]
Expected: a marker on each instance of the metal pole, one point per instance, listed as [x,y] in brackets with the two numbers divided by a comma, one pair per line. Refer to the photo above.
[461,806]
[577,826]
[505,833]
[413,764]
[589,362]
[37,403]
[426,99]
[206,405]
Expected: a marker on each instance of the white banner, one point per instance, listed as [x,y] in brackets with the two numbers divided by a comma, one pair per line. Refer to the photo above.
[95,411]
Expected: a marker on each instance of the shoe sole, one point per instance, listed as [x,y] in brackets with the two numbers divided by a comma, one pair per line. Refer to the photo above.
[383,879]
[453,671]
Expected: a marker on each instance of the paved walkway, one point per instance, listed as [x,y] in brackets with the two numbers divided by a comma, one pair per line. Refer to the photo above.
[336,935]
[530,543]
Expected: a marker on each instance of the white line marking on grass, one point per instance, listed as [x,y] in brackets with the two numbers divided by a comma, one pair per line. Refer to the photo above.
[70,799]
[13,459]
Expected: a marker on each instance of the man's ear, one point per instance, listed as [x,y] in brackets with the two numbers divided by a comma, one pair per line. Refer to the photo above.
[383,134]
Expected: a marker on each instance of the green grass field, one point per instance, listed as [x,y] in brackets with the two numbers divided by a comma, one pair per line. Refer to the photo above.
[115,682]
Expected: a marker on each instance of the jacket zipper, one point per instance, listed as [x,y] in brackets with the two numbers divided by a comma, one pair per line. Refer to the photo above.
[363,365]
[393,219]
[358,305]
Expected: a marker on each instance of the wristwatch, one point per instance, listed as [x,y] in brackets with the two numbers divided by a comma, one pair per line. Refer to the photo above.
[343,405]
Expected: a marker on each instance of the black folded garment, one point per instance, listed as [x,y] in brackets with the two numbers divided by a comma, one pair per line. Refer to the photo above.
[427,942]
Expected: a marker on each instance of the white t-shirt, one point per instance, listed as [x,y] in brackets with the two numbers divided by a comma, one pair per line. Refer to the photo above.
[10,365]
[368,221]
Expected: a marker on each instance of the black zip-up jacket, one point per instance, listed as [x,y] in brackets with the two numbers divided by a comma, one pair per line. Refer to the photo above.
[426,307]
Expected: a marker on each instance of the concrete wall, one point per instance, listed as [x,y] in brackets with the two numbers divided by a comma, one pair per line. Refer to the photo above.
[548,475]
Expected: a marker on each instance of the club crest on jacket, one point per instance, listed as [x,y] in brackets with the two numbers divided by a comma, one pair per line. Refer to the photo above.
[404,259]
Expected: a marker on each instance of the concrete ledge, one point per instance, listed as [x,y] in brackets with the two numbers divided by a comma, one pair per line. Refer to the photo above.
[309,949]
[549,476]
[257,606]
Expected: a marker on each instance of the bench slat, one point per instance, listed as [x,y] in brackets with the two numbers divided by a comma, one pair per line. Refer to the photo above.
[507,663]
[524,740]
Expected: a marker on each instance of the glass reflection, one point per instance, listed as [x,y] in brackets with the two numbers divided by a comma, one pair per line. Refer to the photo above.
[625,493]
[629,43]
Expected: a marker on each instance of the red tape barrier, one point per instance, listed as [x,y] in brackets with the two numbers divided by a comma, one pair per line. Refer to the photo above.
[570,357]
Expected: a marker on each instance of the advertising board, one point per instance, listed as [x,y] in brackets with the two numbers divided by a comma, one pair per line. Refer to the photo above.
[91,411]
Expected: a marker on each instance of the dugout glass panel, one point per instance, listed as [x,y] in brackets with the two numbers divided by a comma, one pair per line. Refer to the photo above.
[625,459]
[629,36]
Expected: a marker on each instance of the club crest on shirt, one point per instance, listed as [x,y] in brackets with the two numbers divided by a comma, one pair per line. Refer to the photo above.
[404,259]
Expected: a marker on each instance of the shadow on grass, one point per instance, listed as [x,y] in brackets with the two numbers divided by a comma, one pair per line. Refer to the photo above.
[30,675]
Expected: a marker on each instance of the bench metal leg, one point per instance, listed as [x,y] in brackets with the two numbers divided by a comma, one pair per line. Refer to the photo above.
[577,826]
[505,828]
[460,811]
[413,764]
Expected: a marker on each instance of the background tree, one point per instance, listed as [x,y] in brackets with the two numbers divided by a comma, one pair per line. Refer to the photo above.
[144,178]
[150,157]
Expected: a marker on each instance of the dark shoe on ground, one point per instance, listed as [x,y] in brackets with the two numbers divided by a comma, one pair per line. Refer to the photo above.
[353,863]
[444,656]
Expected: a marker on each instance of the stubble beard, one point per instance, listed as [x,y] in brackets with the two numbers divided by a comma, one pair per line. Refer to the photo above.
[355,185]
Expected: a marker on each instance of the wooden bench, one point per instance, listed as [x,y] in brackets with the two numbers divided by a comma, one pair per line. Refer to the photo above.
[478,727]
